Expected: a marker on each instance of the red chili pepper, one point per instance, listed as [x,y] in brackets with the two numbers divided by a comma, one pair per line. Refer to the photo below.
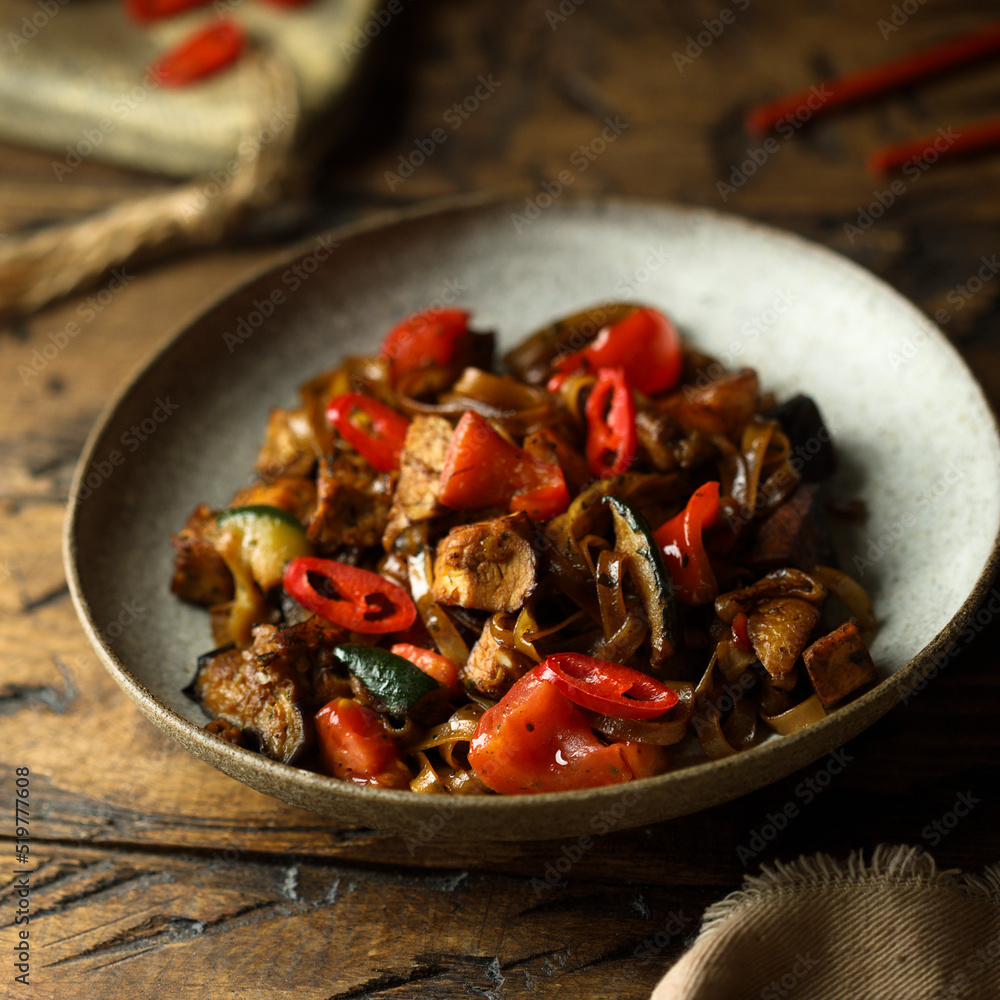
[443,669]
[536,740]
[352,598]
[608,688]
[201,54]
[875,80]
[431,337]
[974,138]
[644,344]
[380,442]
[481,469]
[611,434]
[680,540]
[354,746]
[145,11]
[740,636]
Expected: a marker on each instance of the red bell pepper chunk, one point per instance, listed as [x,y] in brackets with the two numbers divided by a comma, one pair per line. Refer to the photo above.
[481,469]
[644,344]
[740,636]
[199,55]
[378,438]
[683,547]
[442,668]
[145,11]
[348,596]
[431,337]
[353,746]
[611,435]
[608,688]
[536,740]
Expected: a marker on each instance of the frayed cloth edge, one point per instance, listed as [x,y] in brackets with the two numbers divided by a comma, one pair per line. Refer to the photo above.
[889,862]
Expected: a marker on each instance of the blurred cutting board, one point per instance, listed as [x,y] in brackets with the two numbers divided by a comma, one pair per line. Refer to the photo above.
[73,80]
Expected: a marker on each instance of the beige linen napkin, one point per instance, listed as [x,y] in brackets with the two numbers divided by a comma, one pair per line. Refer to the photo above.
[892,928]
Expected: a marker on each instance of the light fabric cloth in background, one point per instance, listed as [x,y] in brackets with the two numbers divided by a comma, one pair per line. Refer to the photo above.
[891,928]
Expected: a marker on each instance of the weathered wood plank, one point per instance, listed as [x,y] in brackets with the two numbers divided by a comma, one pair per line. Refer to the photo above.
[107,925]
[155,868]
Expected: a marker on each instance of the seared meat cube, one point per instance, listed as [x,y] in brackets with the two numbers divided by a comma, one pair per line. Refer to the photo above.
[793,534]
[352,504]
[200,575]
[492,668]
[296,494]
[490,565]
[420,465]
[289,447]
[839,663]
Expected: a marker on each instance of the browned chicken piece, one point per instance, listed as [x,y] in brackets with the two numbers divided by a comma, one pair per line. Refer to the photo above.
[793,534]
[289,447]
[839,663]
[352,503]
[779,629]
[296,494]
[493,668]
[490,565]
[778,583]
[420,465]
[200,575]
[262,695]
[722,406]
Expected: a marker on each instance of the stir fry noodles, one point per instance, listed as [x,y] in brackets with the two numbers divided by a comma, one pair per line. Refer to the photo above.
[461,576]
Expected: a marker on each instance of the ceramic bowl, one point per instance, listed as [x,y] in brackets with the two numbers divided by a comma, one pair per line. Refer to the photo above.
[916,438]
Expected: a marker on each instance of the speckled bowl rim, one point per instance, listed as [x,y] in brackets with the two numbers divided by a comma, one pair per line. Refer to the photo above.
[545,815]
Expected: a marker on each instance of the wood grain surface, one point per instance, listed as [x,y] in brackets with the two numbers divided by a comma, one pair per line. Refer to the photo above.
[153,875]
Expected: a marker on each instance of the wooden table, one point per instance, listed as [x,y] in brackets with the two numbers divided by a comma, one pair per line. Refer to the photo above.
[154,875]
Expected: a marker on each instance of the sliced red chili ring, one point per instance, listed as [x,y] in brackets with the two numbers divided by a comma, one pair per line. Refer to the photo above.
[199,55]
[381,441]
[348,596]
[611,435]
[608,688]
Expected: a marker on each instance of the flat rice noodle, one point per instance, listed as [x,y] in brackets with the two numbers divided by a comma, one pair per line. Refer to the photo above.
[439,626]
[665,731]
[573,581]
[573,395]
[793,719]
[756,438]
[427,781]
[732,660]
[740,729]
[713,740]
[459,728]
[610,576]
[501,391]
[624,643]
[848,590]
[463,781]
